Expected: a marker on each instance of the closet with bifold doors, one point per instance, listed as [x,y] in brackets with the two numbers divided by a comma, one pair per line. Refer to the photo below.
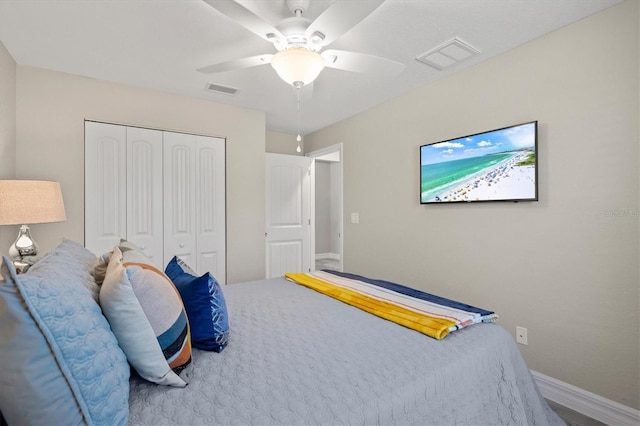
[163,191]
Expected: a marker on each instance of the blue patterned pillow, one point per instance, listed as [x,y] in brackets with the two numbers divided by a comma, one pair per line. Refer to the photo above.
[62,364]
[205,305]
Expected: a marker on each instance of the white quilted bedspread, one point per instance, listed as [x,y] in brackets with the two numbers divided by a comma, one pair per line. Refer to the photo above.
[296,357]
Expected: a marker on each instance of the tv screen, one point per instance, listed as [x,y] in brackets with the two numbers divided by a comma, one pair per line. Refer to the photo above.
[498,165]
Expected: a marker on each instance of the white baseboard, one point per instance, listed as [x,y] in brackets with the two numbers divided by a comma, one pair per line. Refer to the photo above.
[585,402]
[331,256]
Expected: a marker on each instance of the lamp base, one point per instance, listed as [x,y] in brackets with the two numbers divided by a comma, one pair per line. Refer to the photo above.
[20,266]
[23,251]
[24,245]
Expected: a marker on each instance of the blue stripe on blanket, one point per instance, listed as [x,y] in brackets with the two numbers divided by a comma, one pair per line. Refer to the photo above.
[413,293]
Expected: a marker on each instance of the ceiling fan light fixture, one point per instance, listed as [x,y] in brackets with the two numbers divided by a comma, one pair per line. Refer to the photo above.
[297,65]
[317,37]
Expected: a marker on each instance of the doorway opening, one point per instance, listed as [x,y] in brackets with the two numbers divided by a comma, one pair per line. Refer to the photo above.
[328,217]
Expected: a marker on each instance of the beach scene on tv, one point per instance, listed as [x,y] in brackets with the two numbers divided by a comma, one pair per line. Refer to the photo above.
[495,165]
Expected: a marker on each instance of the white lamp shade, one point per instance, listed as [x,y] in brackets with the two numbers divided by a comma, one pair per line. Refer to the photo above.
[297,64]
[30,201]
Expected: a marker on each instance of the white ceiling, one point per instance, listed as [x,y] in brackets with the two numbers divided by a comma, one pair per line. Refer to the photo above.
[159,44]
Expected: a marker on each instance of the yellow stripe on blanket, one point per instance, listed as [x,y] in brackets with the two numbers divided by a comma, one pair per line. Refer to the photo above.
[434,327]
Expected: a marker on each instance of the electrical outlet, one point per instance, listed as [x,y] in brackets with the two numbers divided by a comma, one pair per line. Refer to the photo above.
[521,335]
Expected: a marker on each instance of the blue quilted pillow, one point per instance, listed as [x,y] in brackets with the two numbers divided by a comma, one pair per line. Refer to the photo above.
[205,305]
[62,364]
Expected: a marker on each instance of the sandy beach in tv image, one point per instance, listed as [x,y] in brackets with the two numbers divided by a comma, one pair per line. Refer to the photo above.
[496,165]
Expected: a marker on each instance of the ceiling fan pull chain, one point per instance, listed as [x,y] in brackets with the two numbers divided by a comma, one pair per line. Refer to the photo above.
[298,86]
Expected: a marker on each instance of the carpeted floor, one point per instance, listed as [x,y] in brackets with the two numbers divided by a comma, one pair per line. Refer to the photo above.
[573,418]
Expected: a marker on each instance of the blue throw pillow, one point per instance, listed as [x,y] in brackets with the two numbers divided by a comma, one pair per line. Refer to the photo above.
[205,305]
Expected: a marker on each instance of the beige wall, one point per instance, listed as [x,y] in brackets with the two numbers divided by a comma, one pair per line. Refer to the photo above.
[282,143]
[7,132]
[565,267]
[52,107]
[7,114]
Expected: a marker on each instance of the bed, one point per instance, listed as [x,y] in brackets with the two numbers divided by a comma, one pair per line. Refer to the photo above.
[296,357]
[299,357]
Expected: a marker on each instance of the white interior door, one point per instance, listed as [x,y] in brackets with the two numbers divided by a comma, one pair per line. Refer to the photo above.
[288,214]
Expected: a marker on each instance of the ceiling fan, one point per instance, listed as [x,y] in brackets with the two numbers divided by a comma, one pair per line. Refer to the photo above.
[299,42]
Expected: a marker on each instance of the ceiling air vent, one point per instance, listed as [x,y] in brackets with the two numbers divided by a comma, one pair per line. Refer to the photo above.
[225,90]
[448,54]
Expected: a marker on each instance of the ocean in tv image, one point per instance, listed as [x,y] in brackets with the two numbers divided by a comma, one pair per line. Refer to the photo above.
[495,165]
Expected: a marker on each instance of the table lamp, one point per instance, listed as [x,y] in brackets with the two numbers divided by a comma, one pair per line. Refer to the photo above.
[25,202]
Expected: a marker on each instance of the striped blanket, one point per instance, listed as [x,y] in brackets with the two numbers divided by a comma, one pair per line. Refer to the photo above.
[431,315]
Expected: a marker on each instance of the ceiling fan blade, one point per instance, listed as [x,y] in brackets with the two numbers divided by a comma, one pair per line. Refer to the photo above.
[252,61]
[243,16]
[340,17]
[361,62]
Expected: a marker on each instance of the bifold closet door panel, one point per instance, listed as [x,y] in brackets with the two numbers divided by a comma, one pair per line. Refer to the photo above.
[105,188]
[210,207]
[144,192]
[180,197]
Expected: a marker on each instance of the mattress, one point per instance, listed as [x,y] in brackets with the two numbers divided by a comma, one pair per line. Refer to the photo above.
[298,357]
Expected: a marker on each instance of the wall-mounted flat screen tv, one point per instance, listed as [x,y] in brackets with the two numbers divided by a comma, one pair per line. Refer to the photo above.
[498,165]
